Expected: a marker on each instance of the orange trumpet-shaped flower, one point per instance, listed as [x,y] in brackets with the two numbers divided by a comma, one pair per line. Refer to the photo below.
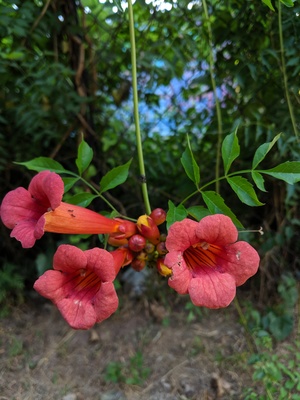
[30,213]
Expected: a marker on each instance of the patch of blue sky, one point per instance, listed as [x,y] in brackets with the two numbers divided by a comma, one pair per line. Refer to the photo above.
[183,99]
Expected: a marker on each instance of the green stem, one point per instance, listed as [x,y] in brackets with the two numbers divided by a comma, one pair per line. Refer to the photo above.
[283,70]
[214,87]
[136,110]
[98,194]
[199,190]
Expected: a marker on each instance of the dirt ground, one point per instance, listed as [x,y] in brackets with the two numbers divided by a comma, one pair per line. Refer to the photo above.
[146,351]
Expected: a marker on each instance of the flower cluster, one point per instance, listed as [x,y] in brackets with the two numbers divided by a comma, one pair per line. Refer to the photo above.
[202,259]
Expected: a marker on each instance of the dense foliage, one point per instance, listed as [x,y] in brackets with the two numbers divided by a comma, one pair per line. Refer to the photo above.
[204,69]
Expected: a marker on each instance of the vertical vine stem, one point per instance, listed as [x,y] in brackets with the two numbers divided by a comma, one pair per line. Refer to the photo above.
[136,110]
[214,87]
[283,70]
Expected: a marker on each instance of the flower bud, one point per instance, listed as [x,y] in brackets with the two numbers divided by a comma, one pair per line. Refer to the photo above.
[161,248]
[137,243]
[148,228]
[149,248]
[122,256]
[126,229]
[140,261]
[162,268]
[158,215]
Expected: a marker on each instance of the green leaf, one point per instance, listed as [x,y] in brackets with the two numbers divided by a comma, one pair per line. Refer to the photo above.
[281,326]
[216,205]
[84,157]
[115,177]
[198,212]
[189,164]
[42,164]
[230,150]
[288,3]
[175,213]
[263,150]
[82,199]
[69,183]
[244,190]
[269,4]
[289,172]
[258,180]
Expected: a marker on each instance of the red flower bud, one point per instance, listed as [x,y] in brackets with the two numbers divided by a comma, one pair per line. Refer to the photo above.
[148,228]
[137,243]
[158,215]
[125,230]
[140,261]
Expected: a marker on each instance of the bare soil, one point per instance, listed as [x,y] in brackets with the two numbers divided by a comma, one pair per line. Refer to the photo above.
[146,351]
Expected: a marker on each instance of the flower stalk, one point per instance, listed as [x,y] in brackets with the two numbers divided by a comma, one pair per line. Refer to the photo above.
[136,111]
[284,75]
[217,103]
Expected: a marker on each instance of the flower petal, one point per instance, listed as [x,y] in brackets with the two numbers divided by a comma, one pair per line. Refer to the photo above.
[24,232]
[181,275]
[242,261]
[79,315]
[47,188]
[18,205]
[212,289]
[69,259]
[106,301]
[181,235]
[51,285]
[101,262]
[217,229]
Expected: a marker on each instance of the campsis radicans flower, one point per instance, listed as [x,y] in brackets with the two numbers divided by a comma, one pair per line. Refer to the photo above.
[81,285]
[207,261]
[30,213]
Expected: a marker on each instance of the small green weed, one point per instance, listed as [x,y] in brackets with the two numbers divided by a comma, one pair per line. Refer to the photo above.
[114,372]
[278,320]
[132,373]
[276,374]
[279,375]
[194,313]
